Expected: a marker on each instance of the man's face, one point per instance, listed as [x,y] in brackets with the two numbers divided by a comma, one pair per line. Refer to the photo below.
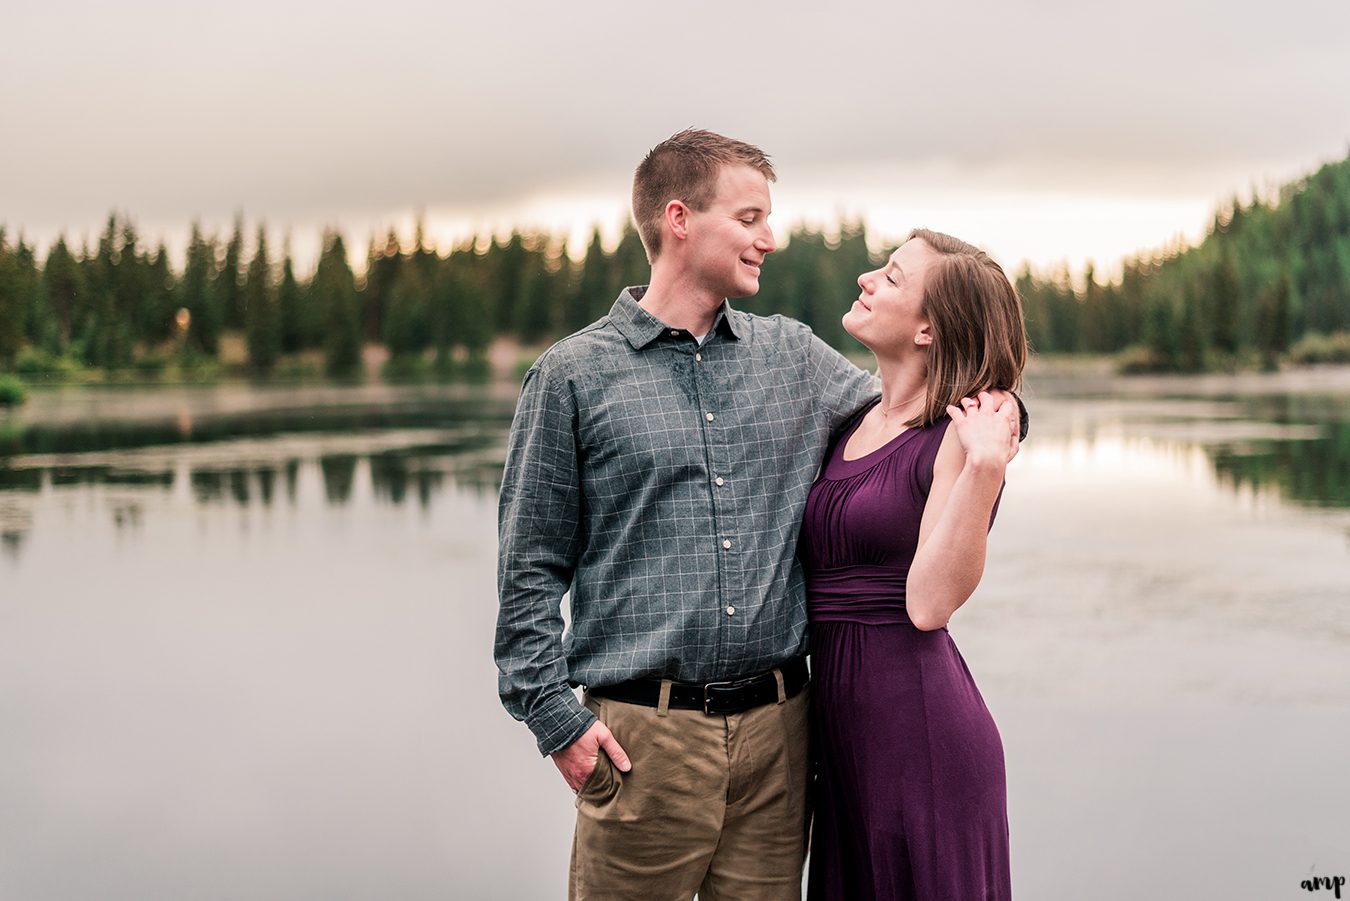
[730,239]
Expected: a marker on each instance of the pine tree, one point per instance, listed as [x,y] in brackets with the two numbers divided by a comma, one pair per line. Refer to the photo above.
[508,263]
[466,300]
[63,285]
[590,300]
[260,306]
[161,303]
[229,286]
[533,303]
[628,265]
[11,305]
[1272,322]
[334,300]
[382,269]
[406,331]
[290,299]
[206,316]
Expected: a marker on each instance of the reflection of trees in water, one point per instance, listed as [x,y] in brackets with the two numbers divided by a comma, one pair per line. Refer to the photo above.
[394,475]
[339,473]
[1314,473]
[127,515]
[397,477]
[267,482]
[462,454]
[103,435]
[238,480]
[210,484]
[20,479]
[207,485]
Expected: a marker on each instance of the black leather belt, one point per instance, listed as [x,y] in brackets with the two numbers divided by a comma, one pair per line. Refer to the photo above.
[733,696]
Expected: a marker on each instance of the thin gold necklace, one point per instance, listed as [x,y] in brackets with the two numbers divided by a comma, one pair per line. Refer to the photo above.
[886,411]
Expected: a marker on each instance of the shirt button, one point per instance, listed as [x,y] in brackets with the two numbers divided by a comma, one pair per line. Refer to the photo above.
[698,358]
[675,332]
[731,611]
[708,416]
[719,481]
[726,544]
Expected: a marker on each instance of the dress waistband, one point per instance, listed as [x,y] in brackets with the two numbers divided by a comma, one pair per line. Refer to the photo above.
[873,595]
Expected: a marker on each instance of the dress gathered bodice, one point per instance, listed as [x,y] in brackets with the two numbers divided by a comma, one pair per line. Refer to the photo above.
[861,527]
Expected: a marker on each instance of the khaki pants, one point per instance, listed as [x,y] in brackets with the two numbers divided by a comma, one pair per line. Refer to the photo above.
[713,804]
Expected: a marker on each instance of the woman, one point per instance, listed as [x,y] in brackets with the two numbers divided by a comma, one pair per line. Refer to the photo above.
[911,793]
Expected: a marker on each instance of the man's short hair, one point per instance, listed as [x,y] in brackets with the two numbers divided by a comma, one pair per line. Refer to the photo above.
[685,167]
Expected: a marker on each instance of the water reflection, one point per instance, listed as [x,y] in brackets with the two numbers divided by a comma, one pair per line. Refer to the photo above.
[1313,473]
[408,474]
[247,448]
[411,449]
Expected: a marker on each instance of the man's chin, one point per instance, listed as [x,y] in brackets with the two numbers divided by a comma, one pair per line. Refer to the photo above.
[749,289]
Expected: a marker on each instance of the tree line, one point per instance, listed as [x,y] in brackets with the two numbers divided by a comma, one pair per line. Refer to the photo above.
[1270,279]
[121,305]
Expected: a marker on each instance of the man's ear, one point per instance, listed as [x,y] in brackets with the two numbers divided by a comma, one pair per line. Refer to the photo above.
[677,219]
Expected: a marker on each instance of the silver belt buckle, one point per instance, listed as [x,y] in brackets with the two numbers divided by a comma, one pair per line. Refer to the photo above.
[707,694]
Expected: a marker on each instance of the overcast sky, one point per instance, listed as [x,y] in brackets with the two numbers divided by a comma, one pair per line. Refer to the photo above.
[1044,131]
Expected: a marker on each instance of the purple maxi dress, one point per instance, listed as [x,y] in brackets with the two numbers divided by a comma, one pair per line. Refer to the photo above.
[910,795]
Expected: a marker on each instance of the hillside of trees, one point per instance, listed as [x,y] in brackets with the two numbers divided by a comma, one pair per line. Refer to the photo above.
[121,306]
[1270,281]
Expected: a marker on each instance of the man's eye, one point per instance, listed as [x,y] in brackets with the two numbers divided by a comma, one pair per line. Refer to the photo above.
[889,279]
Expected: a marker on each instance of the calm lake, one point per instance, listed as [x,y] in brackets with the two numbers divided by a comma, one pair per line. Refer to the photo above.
[245,645]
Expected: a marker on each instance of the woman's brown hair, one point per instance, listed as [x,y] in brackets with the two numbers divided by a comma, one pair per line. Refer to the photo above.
[979,336]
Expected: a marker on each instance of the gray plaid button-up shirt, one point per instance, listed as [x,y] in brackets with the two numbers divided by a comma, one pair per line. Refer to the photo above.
[662,484]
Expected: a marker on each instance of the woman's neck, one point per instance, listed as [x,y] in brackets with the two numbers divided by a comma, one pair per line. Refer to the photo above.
[904,390]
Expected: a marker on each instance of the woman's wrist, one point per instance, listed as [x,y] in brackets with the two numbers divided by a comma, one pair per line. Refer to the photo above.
[985,464]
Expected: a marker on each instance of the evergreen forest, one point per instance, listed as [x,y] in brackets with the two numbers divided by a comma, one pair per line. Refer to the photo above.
[1269,283]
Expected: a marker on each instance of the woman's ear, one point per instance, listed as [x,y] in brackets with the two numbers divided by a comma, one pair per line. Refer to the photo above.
[924,336]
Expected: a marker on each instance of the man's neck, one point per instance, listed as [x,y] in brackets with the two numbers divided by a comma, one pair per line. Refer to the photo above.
[679,303]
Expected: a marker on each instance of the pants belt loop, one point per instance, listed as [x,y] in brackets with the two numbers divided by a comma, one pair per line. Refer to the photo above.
[663,702]
[782,689]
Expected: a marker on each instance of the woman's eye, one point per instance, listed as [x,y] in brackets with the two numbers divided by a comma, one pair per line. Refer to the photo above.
[889,279]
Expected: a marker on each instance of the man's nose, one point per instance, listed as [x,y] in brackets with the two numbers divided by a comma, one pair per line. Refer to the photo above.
[766,243]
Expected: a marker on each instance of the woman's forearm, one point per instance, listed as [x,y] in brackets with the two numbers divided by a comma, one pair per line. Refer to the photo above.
[949,563]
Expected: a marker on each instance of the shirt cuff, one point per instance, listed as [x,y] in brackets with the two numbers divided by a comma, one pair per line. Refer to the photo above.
[559,721]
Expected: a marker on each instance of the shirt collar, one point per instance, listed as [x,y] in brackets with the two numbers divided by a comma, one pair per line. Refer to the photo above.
[642,328]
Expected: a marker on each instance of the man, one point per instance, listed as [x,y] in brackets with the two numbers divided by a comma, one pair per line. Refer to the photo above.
[657,470]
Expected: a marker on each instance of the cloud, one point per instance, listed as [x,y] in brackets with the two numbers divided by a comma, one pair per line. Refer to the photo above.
[309,111]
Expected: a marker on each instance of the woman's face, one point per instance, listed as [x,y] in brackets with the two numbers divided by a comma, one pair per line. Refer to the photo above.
[887,316]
